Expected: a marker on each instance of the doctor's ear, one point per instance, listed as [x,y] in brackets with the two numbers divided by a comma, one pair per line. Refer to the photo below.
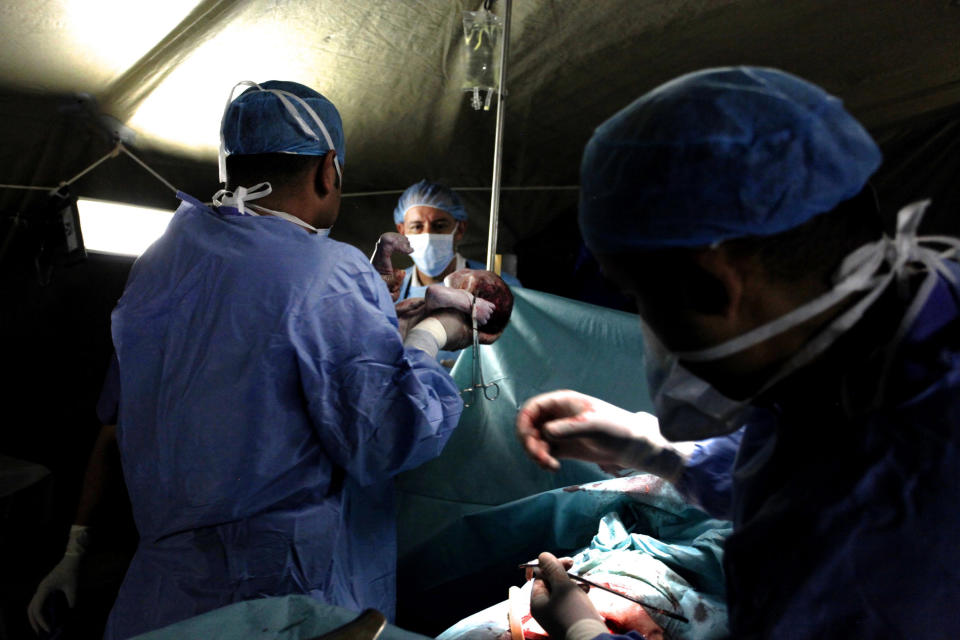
[326,179]
[714,283]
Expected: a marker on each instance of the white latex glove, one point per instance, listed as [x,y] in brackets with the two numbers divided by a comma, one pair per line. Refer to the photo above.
[62,577]
[560,605]
[458,328]
[443,329]
[567,424]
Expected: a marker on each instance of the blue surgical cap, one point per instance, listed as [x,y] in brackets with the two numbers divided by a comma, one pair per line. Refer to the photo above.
[429,194]
[258,122]
[719,154]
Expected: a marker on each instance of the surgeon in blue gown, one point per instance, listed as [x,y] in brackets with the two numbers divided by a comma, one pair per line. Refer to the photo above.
[815,360]
[433,218]
[267,399]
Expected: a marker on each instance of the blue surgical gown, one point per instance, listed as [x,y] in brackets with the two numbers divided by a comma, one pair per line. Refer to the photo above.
[846,519]
[266,403]
[407,290]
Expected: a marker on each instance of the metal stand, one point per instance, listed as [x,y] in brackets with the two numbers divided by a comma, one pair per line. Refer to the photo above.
[498,141]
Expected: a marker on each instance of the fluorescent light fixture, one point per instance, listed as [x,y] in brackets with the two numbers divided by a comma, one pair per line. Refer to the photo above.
[124,229]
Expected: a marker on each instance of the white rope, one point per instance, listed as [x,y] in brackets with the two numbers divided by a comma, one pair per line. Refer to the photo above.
[28,187]
[391,192]
[562,187]
[113,153]
[149,169]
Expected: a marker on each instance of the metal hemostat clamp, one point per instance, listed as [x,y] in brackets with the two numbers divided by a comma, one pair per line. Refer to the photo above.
[477,369]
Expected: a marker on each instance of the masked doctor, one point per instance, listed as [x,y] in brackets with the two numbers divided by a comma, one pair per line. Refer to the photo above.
[783,327]
[266,397]
[433,218]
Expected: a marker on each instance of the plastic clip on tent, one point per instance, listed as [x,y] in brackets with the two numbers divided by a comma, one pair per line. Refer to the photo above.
[482,31]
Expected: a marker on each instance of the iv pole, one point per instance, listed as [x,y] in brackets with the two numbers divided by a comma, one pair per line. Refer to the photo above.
[498,142]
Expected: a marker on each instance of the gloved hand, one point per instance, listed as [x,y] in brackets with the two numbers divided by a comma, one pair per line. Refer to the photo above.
[442,329]
[62,577]
[559,604]
[458,327]
[567,424]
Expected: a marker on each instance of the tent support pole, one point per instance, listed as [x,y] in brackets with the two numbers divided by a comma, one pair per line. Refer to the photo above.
[498,141]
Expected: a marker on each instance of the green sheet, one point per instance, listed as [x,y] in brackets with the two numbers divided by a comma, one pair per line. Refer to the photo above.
[551,343]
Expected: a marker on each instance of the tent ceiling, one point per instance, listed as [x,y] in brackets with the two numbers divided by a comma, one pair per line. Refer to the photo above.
[395,71]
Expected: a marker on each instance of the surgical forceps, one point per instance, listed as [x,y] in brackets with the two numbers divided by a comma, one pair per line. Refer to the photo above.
[477,369]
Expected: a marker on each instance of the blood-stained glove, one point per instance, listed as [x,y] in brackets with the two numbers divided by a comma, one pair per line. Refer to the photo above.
[568,424]
[561,607]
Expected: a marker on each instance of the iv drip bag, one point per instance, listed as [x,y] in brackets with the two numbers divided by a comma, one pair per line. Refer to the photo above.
[482,31]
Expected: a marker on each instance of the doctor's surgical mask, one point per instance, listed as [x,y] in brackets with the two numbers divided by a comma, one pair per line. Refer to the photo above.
[432,252]
[690,408]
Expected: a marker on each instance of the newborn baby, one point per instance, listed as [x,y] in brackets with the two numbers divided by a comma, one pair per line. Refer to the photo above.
[467,290]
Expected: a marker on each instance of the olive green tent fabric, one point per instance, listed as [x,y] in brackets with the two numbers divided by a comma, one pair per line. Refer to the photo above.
[73,73]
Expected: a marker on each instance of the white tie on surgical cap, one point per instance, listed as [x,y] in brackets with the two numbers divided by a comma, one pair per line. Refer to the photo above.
[861,271]
[690,408]
[240,200]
